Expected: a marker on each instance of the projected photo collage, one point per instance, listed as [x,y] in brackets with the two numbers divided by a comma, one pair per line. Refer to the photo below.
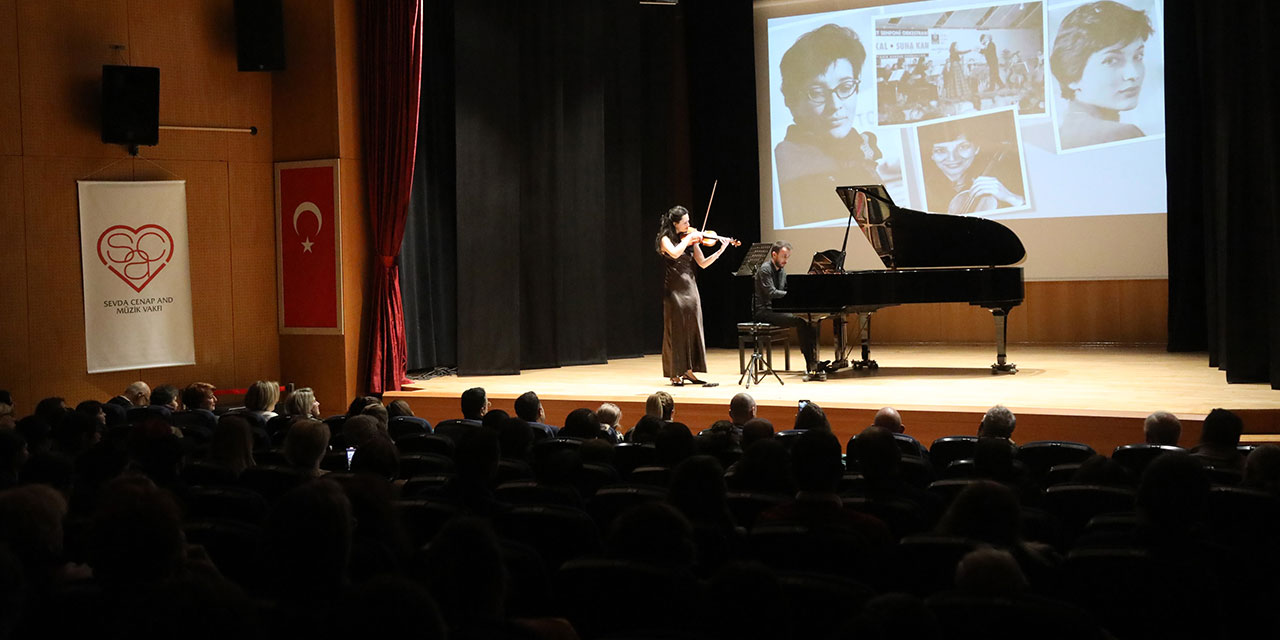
[996,109]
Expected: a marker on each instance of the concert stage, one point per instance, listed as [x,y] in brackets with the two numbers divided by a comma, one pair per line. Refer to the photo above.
[1095,395]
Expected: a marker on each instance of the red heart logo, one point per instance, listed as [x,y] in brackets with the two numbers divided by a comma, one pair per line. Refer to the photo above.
[136,255]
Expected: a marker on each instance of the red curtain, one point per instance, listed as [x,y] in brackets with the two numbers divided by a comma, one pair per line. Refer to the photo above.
[391,78]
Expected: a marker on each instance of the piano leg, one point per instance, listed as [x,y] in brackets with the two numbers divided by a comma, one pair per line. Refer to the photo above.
[839,330]
[864,331]
[1002,329]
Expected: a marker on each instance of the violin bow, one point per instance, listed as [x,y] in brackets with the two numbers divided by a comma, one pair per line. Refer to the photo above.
[707,215]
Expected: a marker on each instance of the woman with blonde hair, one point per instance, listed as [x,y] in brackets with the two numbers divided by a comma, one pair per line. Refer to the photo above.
[261,398]
[302,402]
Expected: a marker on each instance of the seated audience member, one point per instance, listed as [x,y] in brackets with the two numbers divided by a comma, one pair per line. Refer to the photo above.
[529,408]
[889,418]
[36,432]
[76,433]
[742,408]
[13,454]
[645,430]
[610,421]
[1162,428]
[721,442]
[463,568]
[811,416]
[137,534]
[399,408]
[378,456]
[93,409]
[137,394]
[1219,438]
[654,533]
[359,430]
[474,405]
[261,398]
[754,430]
[308,544]
[660,405]
[477,459]
[699,492]
[157,452]
[597,451]
[1101,470]
[998,422]
[765,467]
[1262,469]
[880,461]
[51,411]
[515,440]
[359,403]
[990,572]
[231,445]
[302,402]
[165,397]
[989,512]
[31,518]
[305,445]
[198,401]
[6,403]
[582,424]
[997,459]
[378,412]
[817,467]
[494,418]
[674,443]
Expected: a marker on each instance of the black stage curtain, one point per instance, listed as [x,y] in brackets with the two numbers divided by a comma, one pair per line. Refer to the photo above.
[1224,276]
[555,133]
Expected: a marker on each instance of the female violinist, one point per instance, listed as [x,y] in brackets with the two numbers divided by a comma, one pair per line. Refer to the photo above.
[684,351]
[961,176]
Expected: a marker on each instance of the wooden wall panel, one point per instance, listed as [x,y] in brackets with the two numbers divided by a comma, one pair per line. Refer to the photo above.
[357,273]
[249,105]
[208,241]
[14,327]
[316,361]
[304,97]
[346,39]
[62,45]
[253,272]
[10,98]
[54,282]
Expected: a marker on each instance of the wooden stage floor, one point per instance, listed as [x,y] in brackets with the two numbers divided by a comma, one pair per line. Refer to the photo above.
[1096,395]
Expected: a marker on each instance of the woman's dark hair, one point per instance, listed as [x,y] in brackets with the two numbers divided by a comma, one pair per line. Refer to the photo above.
[667,226]
[1089,28]
[813,52]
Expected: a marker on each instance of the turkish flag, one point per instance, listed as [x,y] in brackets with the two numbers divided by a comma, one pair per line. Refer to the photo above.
[309,243]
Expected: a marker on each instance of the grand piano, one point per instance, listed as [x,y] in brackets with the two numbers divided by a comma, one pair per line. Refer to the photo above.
[929,257]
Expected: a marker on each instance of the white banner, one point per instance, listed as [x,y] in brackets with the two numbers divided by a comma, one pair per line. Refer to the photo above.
[137,275]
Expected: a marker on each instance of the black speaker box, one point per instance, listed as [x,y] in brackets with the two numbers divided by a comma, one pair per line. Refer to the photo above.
[130,105]
[260,35]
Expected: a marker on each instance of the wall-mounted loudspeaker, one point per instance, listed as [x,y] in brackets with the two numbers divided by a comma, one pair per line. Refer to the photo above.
[130,105]
[259,35]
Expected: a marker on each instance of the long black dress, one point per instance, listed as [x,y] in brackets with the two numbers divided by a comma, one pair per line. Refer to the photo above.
[683,348]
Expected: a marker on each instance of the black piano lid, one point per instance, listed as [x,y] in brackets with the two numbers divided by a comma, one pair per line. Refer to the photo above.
[907,239]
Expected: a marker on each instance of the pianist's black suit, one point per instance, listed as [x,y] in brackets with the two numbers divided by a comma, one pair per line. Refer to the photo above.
[771,283]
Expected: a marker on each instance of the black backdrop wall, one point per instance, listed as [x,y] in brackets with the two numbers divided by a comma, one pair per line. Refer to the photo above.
[554,133]
[1223,83]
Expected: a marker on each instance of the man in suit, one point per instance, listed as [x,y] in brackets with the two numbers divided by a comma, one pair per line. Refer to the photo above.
[529,408]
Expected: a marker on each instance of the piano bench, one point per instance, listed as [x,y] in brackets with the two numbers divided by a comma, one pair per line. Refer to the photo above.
[763,334]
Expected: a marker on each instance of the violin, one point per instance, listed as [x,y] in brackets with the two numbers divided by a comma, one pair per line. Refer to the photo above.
[709,239]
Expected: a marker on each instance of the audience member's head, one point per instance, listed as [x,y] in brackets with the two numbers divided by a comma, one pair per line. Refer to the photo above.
[1173,492]
[136,533]
[811,416]
[660,405]
[654,533]
[1262,469]
[742,408]
[262,396]
[610,416]
[378,412]
[674,443]
[646,430]
[477,457]
[359,403]
[889,418]
[157,453]
[308,539]
[93,409]
[816,462]
[359,430]
[36,432]
[698,490]
[138,393]
[515,439]
[302,402]
[878,455]
[994,458]
[305,444]
[379,456]
[31,519]
[398,408]
[165,396]
[1162,427]
[199,395]
[1222,428]
[474,403]
[465,573]
[754,430]
[597,451]
[231,445]
[581,423]
[765,467]
[998,422]
[990,572]
[494,418]
[1099,469]
[985,511]
[76,433]
[529,408]
[51,410]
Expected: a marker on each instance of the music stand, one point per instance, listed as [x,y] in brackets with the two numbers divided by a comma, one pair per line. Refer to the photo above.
[756,255]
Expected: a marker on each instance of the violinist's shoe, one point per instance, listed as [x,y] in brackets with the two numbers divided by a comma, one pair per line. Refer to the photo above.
[815,376]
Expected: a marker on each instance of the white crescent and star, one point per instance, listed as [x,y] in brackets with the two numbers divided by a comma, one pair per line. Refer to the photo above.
[307,207]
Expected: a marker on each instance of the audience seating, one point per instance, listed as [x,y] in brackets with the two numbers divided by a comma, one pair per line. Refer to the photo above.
[424,464]
[1061,474]
[227,503]
[746,505]
[1075,504]
[558,532]
[1042,455]
[1136,457]
[944,450]
[271,482]
[925,564]
[531,492]
[423,519]
[422,443]
[609,502]
[400,426]
[628,456]
[655,476]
